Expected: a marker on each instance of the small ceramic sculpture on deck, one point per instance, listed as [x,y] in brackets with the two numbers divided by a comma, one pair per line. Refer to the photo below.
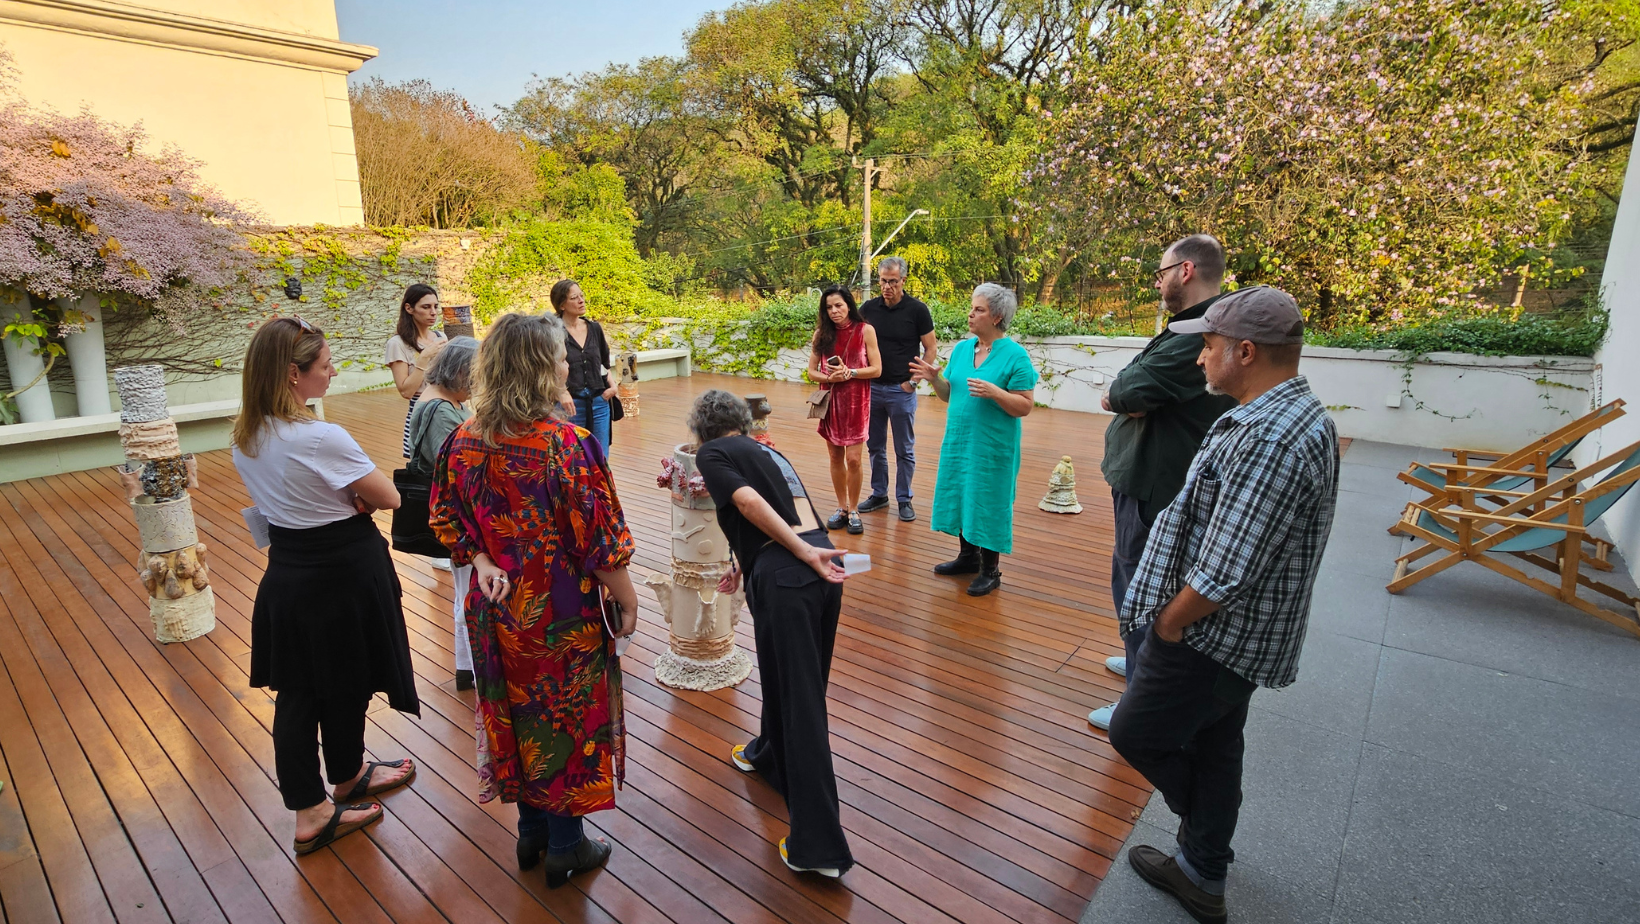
[701,651]
[156,477]
[626,391]
[761,409]
[1061,489]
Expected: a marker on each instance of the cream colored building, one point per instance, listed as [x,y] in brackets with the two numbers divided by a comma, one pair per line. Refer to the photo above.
[255,89]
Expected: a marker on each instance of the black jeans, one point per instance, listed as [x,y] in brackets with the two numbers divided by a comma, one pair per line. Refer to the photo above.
[301,719]
[794,619]
[1180,724]
[1132,531]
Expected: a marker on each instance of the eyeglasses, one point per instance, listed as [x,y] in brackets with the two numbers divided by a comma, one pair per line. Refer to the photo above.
[889,281]
[299,323]
[1157,276]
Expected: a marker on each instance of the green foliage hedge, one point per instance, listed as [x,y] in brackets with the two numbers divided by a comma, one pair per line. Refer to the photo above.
[1529,335]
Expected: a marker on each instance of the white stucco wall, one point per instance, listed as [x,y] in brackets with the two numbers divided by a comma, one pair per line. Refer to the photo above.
[1616,374]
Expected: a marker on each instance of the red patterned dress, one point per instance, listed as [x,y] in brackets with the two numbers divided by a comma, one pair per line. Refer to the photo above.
[543,506]
[849,415]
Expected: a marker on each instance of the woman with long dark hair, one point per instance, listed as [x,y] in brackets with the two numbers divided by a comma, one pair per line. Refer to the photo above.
[412,347]
[843,358]
[327,632]
[592,381]
[523,498]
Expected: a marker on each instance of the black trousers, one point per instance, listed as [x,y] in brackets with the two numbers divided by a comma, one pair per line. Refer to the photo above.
[1132,532]
[301,719]
[1180,724]
[794,619]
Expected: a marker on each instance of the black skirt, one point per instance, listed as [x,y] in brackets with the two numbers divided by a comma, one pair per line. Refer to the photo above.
[327,618]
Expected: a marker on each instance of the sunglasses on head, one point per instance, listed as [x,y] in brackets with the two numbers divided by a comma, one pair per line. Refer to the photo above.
[299,323]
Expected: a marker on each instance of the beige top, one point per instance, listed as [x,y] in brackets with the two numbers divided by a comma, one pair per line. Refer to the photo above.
[400,352]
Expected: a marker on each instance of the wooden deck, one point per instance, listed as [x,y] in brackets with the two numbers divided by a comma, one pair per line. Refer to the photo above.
[139,777]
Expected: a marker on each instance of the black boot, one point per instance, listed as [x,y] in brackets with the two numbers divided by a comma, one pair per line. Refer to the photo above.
[966,562]
[990,575]
[464,680]
[590,854]
[530,850]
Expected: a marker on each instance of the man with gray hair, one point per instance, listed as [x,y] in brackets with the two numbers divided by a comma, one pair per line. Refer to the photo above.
[905,328]
[1163,410]
[1221,600]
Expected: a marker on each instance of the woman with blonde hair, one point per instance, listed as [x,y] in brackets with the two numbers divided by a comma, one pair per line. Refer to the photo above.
[527,499]
[327,631]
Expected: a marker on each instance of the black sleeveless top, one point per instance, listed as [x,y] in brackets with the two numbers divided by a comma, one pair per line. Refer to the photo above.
[587,365]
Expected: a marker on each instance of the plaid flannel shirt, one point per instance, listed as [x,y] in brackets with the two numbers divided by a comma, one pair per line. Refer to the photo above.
[1247,532]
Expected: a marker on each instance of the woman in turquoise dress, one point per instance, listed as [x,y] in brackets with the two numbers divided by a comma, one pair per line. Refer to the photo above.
[990,384]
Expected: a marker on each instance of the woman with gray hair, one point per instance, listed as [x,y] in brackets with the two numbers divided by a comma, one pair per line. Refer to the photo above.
[794,590]
[439,411]
[990,384]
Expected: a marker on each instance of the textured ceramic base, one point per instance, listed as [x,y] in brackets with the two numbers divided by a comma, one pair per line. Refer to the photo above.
[183,619]
[682,673]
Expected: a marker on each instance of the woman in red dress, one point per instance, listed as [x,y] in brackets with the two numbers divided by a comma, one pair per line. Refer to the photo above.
[843,358]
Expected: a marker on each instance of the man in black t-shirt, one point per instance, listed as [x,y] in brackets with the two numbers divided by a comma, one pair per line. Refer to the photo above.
[904,328]
[794,588]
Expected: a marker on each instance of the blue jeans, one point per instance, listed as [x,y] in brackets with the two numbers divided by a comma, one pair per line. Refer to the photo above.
[592,412]
[892,404]
[563,831]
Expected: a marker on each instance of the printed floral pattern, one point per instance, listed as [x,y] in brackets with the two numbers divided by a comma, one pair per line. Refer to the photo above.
[542,505]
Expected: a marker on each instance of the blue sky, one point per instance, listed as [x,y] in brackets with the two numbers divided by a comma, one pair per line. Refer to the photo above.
[487,49]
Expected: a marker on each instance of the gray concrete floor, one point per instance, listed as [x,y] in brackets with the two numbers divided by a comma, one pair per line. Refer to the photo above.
[1465,751]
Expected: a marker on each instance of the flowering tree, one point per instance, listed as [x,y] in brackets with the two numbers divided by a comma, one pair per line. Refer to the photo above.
[1383,160]
[83,210]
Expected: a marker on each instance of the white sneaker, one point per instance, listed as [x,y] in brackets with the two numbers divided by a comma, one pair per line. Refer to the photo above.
[442,564]
[830,872]
[738,755]
[1116,666]
[1100,718]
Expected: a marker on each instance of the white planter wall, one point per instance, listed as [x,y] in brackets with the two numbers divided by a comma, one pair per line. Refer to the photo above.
[1446,399]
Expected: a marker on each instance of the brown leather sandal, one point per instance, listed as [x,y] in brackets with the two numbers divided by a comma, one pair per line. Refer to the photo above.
[335,829]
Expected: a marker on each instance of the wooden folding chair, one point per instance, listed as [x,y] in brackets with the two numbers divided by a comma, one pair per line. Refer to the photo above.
[1555,516]
[1527,468]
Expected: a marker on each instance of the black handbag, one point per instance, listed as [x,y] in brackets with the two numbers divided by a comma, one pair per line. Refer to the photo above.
[616,409]
[411,532]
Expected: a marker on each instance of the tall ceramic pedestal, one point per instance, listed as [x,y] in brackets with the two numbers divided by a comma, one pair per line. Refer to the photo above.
[33,402]
[701,653]
[88,358]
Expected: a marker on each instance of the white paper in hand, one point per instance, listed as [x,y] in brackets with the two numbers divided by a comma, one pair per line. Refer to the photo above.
[855,563]
[258,526]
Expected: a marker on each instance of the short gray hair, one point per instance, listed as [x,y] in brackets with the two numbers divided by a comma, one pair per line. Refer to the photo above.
[1000,299]
[893,263]
[718,412]
[452,368]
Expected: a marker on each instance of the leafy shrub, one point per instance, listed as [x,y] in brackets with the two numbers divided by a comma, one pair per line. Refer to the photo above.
[1529,335]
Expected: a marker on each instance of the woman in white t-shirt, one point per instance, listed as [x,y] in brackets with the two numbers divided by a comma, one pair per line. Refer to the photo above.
[412,347]
[327,631]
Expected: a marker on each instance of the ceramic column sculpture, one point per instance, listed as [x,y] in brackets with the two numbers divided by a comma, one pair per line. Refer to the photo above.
[761,409]
[1061,496]
[701,653]
[25,366]
[87,357]
[171,562]
[626,391]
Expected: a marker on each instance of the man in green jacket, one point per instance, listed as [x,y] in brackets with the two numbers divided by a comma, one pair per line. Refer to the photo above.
[1162,410]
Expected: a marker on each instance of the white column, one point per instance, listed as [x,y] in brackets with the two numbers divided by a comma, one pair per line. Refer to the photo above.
[33,405]
[88,359]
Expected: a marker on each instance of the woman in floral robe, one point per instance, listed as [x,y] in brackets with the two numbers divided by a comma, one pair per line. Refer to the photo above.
[528,500]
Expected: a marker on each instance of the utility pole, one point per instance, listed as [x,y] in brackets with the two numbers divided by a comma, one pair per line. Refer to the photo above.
[870,169]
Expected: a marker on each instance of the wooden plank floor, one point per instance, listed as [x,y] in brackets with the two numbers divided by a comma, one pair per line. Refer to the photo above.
[139,777]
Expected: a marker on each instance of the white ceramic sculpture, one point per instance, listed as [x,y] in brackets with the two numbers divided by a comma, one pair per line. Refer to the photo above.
[171,563]
[701,652]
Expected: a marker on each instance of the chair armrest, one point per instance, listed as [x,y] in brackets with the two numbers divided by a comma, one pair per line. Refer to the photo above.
[1524,522]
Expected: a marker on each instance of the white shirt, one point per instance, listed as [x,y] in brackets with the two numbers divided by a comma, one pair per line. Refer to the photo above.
[299,478]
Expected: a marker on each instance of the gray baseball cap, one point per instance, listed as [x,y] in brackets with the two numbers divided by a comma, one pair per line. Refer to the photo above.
[1261,314]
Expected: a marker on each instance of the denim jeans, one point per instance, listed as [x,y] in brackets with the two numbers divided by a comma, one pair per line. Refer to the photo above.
[1131,533]
[563,831]
[891,404]
[1180,724]
[592,412]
